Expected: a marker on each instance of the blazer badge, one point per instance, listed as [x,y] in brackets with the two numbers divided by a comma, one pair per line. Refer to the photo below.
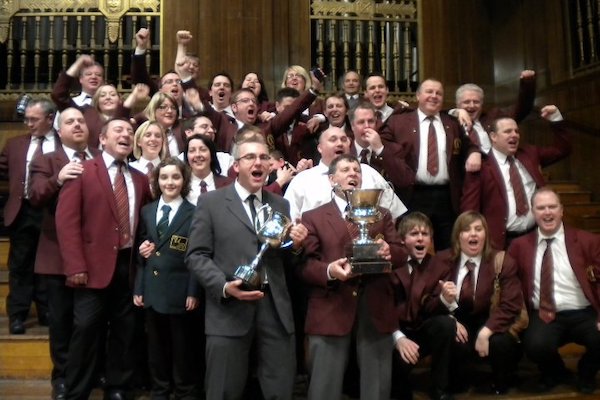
[178,243]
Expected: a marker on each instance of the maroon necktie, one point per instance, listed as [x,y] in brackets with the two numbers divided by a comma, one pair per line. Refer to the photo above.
[474,136]
[364,153]
[467,290]
[518,188]
[351,226]
[203,187]
[547,310]
[39,150]
[122,200]
[81,155]
[432,149]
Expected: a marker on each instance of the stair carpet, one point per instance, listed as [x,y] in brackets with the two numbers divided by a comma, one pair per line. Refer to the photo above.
[25,363]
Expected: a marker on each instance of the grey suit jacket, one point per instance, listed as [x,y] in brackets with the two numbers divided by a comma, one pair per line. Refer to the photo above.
[221,239]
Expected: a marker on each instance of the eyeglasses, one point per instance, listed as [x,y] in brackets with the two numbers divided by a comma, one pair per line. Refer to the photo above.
[251,157]
[165,107]
[246,100]
[294,75]
[171,81]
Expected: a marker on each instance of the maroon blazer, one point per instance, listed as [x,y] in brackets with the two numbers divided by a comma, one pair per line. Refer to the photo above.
[401,132]
[13,160]
[511,297]
[139,74]
[332,307]
[583,249]
[391,166]
[412,291]
[518,112]
[62,98]
[43,192]
[87,223]
[303,144]
[484,191]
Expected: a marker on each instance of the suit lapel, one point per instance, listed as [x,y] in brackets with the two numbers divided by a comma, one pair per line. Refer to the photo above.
[104,179]
[337,221]
[183,215]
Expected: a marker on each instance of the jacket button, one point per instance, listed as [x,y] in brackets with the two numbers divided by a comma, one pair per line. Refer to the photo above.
[158,253]
[354,293]
[155,272]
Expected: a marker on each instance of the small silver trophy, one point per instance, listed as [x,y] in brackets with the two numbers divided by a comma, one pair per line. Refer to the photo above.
[272,233]
[363,211]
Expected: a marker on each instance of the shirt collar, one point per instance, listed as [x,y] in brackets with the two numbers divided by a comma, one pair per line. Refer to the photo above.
[423,116]
[174,204]
[244,193]
[109,160]
[464,258]
[559,235]
[70,152]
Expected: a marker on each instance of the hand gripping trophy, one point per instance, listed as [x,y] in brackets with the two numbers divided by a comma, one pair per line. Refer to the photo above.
[272,233]
[363,210]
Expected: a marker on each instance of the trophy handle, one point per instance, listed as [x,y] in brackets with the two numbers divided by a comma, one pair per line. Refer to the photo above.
[289,242]
[259,211]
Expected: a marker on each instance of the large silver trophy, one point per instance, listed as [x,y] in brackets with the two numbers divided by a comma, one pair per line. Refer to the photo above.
[363,211]
[271,233]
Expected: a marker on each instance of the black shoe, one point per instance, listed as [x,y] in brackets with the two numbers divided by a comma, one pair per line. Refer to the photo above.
[440,395]
[16,327]
[115,395]
[59,391]
[493,389]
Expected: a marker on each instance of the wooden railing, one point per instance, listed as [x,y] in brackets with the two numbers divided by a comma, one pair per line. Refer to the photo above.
[584,32]
[39,38]
[367,36]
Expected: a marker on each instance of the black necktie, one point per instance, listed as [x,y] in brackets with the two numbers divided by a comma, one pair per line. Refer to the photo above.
[250,199]
[203,187]
[163,223]
[364,154]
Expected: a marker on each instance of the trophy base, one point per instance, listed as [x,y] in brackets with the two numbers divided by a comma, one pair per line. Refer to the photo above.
[370,266]
[249,276]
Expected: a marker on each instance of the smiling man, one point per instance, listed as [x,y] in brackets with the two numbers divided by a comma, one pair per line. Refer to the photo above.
[502,189]
[561,292]
[96,217]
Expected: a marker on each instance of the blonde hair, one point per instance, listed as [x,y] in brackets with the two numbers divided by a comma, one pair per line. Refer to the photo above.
[140,132]
[96,100]
[155,102]
[298,70]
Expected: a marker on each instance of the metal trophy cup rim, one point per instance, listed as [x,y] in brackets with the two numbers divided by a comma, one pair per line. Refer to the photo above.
[249,273]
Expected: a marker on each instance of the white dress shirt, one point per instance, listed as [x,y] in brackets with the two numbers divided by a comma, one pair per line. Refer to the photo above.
[423,176]
[112,173]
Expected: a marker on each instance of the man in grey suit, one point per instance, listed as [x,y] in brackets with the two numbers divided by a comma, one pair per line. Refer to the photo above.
[222,237]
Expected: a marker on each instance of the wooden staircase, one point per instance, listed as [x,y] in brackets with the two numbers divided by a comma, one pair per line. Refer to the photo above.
[579,208]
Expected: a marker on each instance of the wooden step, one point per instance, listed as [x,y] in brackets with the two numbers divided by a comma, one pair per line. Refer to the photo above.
[589,222]
[4,247]
[564,186]
[575,197]
[578,210]
[24,356]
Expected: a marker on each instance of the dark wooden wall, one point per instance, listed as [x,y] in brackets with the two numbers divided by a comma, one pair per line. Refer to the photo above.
[240,36]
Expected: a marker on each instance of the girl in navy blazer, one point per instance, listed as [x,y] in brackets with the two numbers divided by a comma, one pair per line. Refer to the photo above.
[163,285]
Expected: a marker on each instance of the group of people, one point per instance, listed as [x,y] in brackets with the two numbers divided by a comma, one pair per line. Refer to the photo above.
[112,213]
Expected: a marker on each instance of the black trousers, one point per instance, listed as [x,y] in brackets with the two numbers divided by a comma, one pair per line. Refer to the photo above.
[435,202]
[504,354]
[172,355]
[24,285]
[541,342]
[434,337]
[60,307]
[93,309]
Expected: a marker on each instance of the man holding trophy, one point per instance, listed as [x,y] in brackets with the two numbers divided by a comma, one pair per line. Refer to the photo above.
[350,248]
[247,302]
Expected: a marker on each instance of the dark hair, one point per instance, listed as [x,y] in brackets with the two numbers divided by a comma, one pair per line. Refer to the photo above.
[108,122]
[222,73]
[286,92]
[363,105]
[338,159]
[263,96]
[185,173]
[214,161]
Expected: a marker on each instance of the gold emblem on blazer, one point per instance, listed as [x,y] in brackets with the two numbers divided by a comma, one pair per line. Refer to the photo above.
[593,273]
[178,243]
[456,145]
